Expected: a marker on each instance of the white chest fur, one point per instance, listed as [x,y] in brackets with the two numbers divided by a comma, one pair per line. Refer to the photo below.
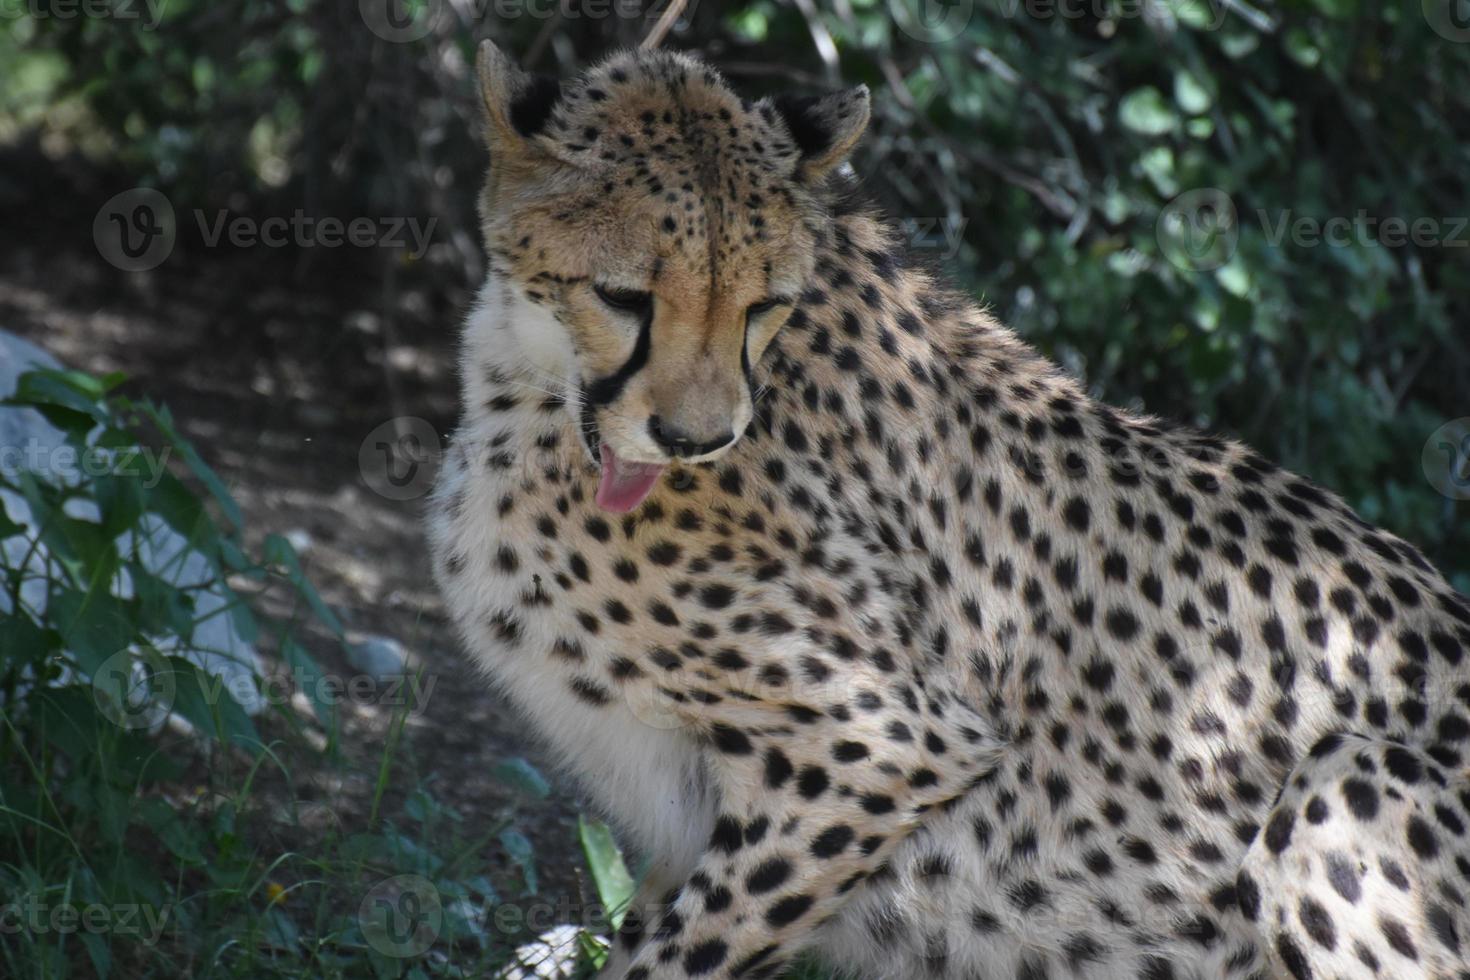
[647,777]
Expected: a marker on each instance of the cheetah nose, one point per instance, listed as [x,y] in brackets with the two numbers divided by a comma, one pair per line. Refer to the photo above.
[677,442]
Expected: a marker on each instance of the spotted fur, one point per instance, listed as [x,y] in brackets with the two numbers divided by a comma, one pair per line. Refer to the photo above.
[942,668]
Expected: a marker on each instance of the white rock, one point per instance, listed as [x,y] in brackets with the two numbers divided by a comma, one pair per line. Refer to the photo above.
[552,956]
[301,540]
[381,657]
[216,646]
[25,435]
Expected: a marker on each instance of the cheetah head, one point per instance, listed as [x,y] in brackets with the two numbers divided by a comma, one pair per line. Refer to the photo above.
[658,229]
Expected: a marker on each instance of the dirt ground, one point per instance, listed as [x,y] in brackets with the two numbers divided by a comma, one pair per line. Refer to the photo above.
[277,364]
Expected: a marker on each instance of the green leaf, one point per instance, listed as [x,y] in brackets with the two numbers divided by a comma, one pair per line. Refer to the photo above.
[1302,48]
[279,551]
[163,608]
[521,851]
[1202,15]
[183,512]
[8,527]
[69,719]
[243,621]
[750,24]
[87,893]
[609,873]
[136,761]
[205,702]
[91,388]
[185,450]
[113,811]
[280,930]
[22,641]
[591,950]
[1235,277]
[1238,45]
[68,399]
[1145,111]
[94,625]
[1158,164]
[57,531]
[308,676]
[522,775]
[1191,96]
[183,838]
[98,953]
[120,501]
[236,560]
[1200,128]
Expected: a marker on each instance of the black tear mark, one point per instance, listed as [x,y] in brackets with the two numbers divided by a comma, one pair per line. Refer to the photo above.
[606,390]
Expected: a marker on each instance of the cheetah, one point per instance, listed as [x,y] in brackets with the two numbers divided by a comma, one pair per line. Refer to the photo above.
[872,632]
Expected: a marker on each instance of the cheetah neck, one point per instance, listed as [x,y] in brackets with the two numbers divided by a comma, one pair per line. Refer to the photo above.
[928,431]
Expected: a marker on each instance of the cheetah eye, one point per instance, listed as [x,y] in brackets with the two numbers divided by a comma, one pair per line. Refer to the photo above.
[632,301]
[764,306]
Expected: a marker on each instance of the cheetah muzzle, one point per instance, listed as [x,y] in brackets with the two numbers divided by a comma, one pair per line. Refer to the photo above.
[873,632]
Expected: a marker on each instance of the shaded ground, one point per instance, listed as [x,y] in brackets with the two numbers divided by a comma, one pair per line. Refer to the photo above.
[277,364]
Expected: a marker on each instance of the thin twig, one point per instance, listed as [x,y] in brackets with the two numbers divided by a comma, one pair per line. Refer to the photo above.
[897,87]
[821,38]
[665,24]
[542,39]
[761,69]
[1060,204]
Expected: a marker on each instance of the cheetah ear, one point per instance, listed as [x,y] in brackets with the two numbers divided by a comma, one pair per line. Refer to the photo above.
[825,128]
[517,104]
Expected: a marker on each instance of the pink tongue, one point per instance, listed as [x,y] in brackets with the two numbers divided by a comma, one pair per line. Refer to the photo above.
[625,485]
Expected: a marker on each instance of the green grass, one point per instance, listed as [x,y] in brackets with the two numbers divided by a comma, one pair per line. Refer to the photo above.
[169,858]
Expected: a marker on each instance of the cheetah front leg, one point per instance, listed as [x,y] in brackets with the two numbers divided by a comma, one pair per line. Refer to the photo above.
[1362,869]
[654,895]
[810,806]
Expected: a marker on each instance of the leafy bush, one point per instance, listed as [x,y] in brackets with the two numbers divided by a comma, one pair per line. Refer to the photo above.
[131,780]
